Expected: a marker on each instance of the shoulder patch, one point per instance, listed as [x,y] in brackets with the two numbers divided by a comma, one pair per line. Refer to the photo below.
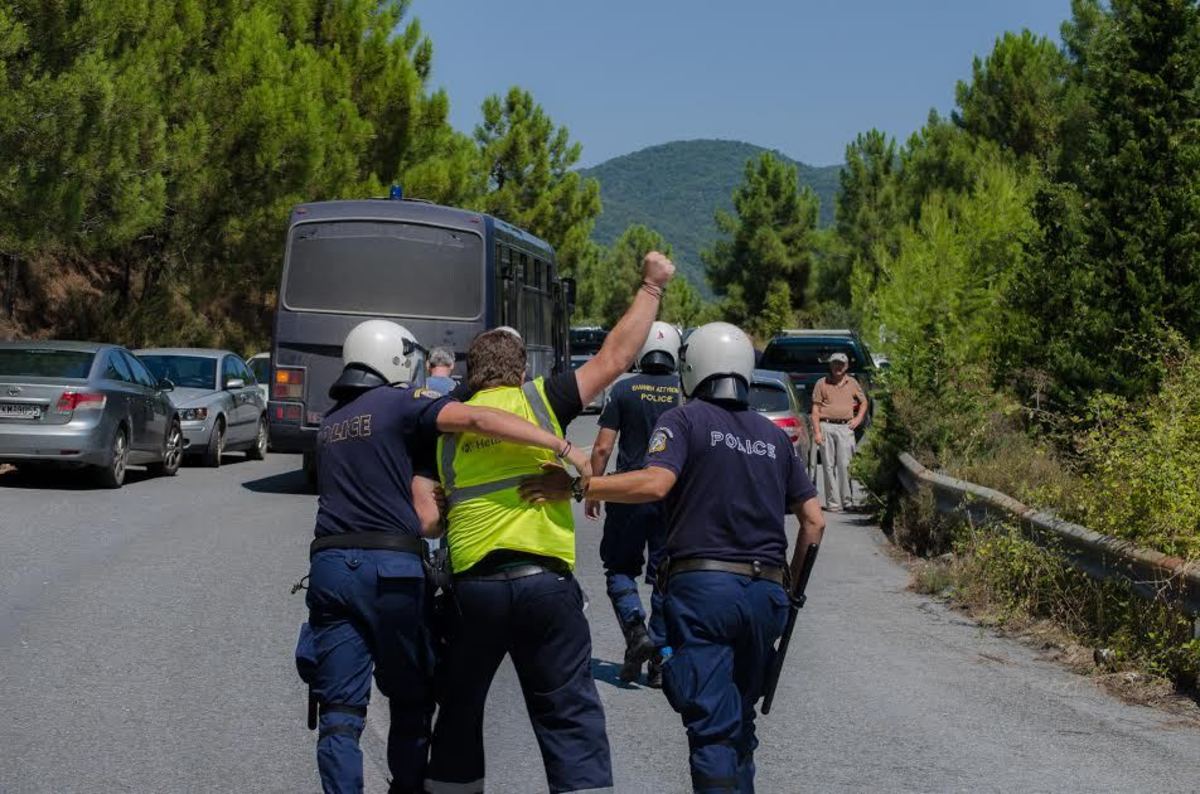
[658,441]
[428,394]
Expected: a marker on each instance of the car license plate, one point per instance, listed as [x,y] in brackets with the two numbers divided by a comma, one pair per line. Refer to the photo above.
[20,411]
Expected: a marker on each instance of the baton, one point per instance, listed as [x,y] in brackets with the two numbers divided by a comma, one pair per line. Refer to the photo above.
[797,598]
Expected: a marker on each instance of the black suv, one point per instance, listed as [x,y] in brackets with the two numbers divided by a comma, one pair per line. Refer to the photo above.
[804,355]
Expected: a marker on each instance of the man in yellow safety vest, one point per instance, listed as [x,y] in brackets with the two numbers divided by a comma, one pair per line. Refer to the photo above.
[512,561]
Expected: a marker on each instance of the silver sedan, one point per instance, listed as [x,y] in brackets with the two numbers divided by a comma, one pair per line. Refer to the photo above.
[218,399]
[82,404]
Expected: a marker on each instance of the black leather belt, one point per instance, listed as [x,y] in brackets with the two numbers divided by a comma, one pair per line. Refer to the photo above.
[515,572]
[372,541]
[838,421]
[755,570]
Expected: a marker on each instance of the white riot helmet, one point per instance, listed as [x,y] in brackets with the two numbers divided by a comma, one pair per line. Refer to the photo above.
[717,352]
[387,349]
[661,348]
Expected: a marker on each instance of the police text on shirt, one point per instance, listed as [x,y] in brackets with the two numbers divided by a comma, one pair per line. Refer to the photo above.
[745,446]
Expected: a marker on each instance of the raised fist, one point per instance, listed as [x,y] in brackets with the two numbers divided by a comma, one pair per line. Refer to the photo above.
[657,269]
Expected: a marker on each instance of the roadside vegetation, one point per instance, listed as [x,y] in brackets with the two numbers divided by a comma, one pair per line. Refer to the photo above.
[1029,265]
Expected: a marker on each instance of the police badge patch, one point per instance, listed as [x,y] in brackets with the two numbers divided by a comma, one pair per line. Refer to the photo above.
[658,441]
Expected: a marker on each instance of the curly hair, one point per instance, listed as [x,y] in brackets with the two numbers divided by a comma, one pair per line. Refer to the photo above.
[495,358]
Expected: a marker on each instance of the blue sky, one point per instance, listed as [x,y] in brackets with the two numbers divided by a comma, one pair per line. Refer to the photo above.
[803,76]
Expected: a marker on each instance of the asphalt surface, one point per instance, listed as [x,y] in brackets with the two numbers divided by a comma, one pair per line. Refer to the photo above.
[146,641]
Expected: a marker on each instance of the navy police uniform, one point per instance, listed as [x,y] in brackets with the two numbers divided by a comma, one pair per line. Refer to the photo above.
[634,535]
[367,598]
[737,476]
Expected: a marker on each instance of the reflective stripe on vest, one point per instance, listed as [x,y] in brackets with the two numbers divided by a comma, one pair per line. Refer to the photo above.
[454,496]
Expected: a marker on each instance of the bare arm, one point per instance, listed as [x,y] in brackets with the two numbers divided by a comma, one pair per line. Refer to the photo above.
[650,484]
[860,410]
[627,337]
[601,452]
[424,501]
[461,418]
[816,414]
[812,529]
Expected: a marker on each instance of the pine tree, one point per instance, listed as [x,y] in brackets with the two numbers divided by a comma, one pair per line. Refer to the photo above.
[530,183]
[768,250]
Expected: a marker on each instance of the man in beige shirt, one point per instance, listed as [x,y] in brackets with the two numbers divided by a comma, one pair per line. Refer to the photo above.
[839,406]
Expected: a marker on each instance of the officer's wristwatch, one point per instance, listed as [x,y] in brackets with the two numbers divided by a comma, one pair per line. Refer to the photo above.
[577,489]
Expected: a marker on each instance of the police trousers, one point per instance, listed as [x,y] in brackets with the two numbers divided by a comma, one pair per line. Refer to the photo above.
[633,540]
[368,612]
[539,621]
[723,629]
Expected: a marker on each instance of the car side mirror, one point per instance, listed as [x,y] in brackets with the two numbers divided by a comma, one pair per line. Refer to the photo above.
[235,383]
[166,385]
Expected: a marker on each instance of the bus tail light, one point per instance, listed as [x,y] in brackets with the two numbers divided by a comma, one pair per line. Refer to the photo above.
[291,412]
[289,384]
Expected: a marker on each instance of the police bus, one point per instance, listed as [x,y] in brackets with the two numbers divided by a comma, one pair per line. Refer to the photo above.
[446,274]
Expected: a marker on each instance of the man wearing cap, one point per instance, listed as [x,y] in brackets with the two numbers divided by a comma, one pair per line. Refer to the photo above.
[839,407]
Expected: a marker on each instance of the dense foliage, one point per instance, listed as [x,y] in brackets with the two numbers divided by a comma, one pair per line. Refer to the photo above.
[152,152]
[1030,267]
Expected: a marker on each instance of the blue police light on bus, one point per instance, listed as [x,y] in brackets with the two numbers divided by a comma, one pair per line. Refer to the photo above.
[445,274]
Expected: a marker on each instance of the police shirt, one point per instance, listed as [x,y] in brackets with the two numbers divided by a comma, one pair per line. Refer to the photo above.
[368,451]
[738,476]
[633,408]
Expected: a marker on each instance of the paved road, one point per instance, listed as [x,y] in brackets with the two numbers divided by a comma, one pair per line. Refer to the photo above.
[146,639]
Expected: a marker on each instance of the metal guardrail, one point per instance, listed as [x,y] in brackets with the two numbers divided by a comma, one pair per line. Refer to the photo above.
[1152,575]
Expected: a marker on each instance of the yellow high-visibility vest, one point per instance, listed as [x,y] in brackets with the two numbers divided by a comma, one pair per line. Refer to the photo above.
[480,476]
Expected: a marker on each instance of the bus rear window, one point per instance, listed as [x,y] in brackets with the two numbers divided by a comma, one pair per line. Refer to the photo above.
[385,268]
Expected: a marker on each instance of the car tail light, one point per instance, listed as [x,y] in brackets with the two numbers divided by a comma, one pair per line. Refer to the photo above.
[289,384]
[72,401]
[791,426]
[288,413]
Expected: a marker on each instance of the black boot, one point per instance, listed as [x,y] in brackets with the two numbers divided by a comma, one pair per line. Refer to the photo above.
[638,650]
[654,671]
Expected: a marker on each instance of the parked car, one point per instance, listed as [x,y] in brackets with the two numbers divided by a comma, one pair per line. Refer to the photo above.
[83,404]
[804,356]
[260,365]
[220,406]
[586,340]
[774,396]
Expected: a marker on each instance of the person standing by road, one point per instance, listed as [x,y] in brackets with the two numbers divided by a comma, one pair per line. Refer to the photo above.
[729,477]
[839,407]
[634,535]
[514,591]
[367,595]
[441,364]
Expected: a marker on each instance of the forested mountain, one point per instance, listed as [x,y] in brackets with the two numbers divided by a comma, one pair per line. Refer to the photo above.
[675,188]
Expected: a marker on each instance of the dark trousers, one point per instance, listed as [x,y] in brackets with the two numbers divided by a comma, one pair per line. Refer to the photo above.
[723,629]
[368,613]
[539,621]
[633,542]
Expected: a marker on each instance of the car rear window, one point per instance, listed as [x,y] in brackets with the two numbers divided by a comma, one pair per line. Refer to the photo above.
[805,356]
[187,372]
[45,363]
[769,398]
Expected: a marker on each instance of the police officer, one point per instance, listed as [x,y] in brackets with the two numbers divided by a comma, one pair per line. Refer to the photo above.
[635,534]
[729,477]
[367,595]
[514,590]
